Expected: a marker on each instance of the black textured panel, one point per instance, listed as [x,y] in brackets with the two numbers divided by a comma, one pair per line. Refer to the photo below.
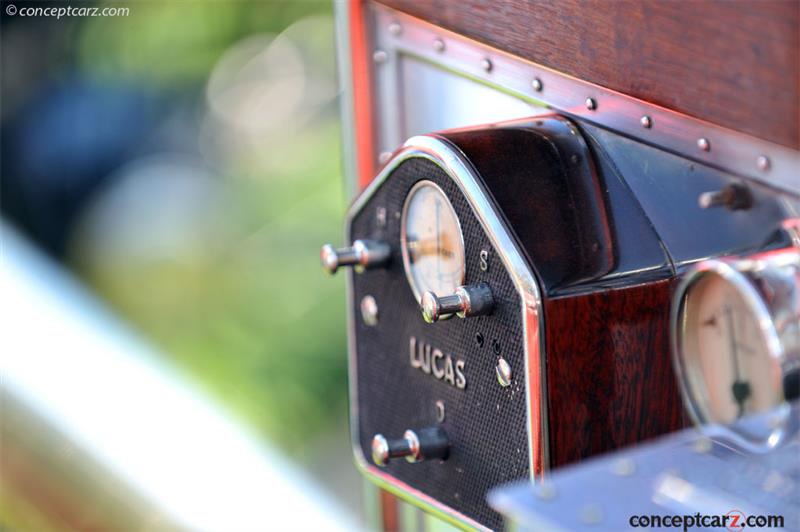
[486,423]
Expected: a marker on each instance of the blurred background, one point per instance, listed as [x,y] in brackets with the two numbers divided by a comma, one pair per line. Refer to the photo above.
[183,162]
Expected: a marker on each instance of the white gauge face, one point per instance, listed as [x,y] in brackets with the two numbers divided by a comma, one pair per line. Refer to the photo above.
[433,246]
[729,371]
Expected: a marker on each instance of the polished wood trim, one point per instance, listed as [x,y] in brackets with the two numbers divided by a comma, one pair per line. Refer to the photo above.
[735,64]
[609,375]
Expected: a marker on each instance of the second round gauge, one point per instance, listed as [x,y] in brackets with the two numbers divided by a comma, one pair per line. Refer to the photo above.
[432,242]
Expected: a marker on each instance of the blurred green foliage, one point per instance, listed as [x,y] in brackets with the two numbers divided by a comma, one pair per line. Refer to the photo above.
[251,316]
[176,43]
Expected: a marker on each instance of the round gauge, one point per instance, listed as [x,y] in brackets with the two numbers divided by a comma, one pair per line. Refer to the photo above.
[727,351]
[432,242]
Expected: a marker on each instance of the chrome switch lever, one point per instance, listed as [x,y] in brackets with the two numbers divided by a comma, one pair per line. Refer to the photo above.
[414,446]
[468,301]
[362,254]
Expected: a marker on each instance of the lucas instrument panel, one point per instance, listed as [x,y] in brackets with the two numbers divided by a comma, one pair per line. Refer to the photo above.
[578,273]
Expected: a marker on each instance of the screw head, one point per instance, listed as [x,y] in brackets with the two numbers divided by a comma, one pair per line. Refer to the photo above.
[504,375]
[369,311]
[537,84]
[486,64]
[763,163]
[624,467]
[395,28]
[702,446]
[646,122]
[591,514]
[591,104]
[379,56]
[438,45]
[704,144]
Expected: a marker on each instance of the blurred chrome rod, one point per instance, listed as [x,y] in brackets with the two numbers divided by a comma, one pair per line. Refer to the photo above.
[98,432]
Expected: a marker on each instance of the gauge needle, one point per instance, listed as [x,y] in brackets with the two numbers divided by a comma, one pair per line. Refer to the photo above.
[740,388]
[438,242]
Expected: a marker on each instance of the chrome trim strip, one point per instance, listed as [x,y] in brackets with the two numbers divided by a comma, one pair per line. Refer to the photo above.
[454,163]
[346,110]
[769,163]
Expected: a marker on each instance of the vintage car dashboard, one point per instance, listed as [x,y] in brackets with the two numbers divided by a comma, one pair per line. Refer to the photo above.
[531,286]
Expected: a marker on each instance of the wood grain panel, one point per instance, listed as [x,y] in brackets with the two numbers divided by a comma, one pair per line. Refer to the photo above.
[734,63]
[609,376]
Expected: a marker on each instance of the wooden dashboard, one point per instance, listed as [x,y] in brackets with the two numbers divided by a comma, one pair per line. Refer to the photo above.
[736,64]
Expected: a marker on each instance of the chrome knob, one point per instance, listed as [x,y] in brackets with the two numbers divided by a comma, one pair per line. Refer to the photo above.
[468,301]
[362,254]
[414,446]
[734,197]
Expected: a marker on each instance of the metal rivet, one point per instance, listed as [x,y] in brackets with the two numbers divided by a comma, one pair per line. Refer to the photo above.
[503,373]
[591,104]
[384,156]
[624,467]
[763,163]
[380,217]
[704,144]
[773,482]
[369,311]
[440,411]
[438,45]
[395,28]
[537,84]
[591,514]
[646,122]
[486,64]
[702,446]
[380,56]
[546,491]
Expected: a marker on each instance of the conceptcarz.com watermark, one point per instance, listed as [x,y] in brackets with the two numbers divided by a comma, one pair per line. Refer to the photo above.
[62,11]
[733,521]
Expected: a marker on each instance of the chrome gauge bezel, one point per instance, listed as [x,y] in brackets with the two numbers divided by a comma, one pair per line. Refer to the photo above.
[752,433]
[404,236]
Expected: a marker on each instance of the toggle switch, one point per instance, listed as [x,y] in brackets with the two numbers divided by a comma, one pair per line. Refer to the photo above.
[734,197]
[468,301]
[414,446]
[362,254]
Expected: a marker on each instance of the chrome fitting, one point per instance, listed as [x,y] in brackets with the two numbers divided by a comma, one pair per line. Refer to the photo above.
[467,301]
[363,254]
